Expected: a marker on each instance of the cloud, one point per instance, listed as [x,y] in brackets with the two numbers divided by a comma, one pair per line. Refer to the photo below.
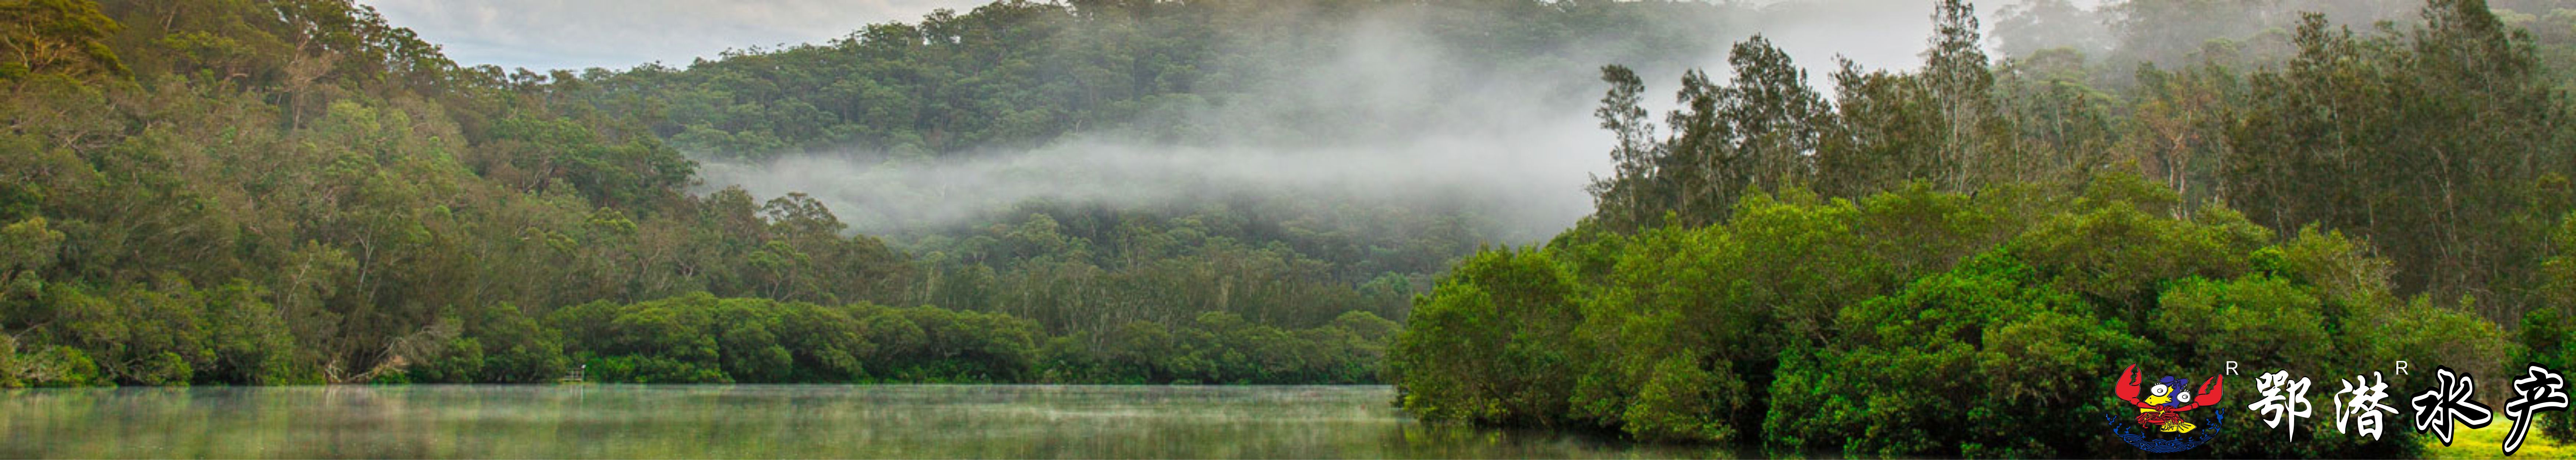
[547,34]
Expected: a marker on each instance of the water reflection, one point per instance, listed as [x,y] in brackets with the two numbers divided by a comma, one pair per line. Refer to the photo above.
[755,421]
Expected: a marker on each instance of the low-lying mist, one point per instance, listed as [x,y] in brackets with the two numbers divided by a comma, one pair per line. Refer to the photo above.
[1388,116]
[1526,183]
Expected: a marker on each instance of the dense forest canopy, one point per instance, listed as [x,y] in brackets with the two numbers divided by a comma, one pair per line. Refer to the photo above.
[1951,258]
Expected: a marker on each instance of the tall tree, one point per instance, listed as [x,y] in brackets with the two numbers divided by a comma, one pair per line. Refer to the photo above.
[2436,145]
[67,36]
[1958,76]
[1621,199]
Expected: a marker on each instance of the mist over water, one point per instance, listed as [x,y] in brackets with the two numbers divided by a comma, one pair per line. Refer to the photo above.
[1389,117]
[758,421]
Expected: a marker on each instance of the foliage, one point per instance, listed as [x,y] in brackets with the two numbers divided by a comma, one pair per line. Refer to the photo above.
[2029,354]
[1016,73]
[295,191]
[700,338]
[235,192]
[55,36]
[2435,149]
[1940,324]
[1220,347]
[1492,344]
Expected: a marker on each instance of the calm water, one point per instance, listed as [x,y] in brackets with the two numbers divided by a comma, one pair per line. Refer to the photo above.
[754,421]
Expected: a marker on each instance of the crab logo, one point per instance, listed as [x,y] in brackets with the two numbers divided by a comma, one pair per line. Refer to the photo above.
[2161,424]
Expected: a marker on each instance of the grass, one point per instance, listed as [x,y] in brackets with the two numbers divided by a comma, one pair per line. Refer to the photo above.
[2489,443]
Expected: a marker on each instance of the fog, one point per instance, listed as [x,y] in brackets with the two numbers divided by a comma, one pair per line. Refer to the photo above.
[1394,118]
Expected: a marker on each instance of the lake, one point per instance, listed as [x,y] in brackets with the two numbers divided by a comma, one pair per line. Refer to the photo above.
[757,421]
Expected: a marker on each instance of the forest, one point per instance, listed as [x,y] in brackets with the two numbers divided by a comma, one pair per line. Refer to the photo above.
[1953,258]
[223,192]
[1950,258]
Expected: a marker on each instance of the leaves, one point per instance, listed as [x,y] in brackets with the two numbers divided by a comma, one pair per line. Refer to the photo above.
[1917,323]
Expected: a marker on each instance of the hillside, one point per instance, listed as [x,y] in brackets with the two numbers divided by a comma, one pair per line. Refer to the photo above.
[233,192]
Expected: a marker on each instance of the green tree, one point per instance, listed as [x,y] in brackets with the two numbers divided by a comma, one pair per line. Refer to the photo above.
[1492,344]
[56,36]
[2430,144]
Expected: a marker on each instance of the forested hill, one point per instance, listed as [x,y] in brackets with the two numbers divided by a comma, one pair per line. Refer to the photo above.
[1016,74]
[296,191]
[1096,163]
[280,192]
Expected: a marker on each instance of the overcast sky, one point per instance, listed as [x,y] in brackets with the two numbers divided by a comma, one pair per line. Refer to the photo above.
[547,34]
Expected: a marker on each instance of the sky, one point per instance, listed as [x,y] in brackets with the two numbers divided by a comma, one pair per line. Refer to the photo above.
[619,34]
